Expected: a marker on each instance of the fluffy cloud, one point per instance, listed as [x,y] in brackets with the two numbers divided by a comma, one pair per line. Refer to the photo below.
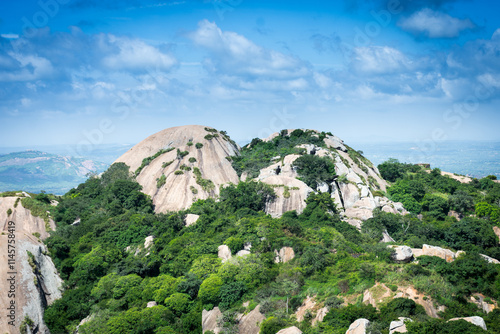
[435,24]
[135,55]
[234,55]
[379,59]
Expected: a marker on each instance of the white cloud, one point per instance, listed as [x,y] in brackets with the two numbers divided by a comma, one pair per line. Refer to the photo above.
[31,67]
[233,54]
[435,24]
[134,54]
[379,59]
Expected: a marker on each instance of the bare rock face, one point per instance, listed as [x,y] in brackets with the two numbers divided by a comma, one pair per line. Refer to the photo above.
[148,241]
[307,305]
[320,315]
[191,219]
[151,304]
[224,253]
[403,254]
[445,254]
[358,327]
[427,303]
[496,229]
[182,186]
[284,255]
[478,299]
[290,330]
[290,192]
[490,259]
[37,281]
[386,237]
[250,323]
[209,320]
[478,321]
[398,326]
[377,294]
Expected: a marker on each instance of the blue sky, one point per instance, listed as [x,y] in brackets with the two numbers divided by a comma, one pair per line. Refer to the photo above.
[88,72]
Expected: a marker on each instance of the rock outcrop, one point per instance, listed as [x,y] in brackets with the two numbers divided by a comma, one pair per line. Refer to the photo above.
[478,321]
[191,165]
[377,294]
[209,320]
[191,219]
[250,323]
[398,326]
[320,315]
[445,254]
[430,307]
[402,254]
[36,280]
[290,330]
[479,300]
[358,327]
[284,255]
[307,305]
[224,253]
[496,229]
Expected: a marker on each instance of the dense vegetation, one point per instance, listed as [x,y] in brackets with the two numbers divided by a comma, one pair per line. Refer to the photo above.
[259,154]
[334,262]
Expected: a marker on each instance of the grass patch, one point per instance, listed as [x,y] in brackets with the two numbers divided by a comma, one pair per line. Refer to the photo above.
[148,160]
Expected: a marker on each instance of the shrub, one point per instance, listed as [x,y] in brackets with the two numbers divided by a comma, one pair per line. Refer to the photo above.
[192,160]
[161,181]
[189,143]
[193,190]
[181,154]
[198,145]
[166,164]
[9,212]
[178,172]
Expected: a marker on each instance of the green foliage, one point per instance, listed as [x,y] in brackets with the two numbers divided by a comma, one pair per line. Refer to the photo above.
[259,154]
[198,145]
[178,172]
[439,326]
[26,326]
[392,169]
[161,181]
[338,320]
[492,212]
[461,201]
[9,212]
[272,325]
[166,164]
[314,169]
[210,289]
[178,303]
[189,143]
[181,154]
[205,184]
[148,160]
[230,293]
[251,194]
[184,167]
[192,160]
[37,208]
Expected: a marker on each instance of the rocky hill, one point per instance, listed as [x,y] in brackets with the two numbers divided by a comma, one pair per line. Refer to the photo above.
[295,233]
[179,165]
[35,278]
[35,171]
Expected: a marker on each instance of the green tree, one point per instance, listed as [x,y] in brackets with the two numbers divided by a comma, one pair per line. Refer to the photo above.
[210,289]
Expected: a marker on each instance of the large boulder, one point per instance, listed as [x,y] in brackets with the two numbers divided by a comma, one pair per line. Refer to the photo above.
[398,326]
[250,323]
[320,315]
[445,254]
[402,254]
[496,229]
[209,320]
[478,321]
[290,330]
[224,253]
[284,255]
[358,327]
[191,219]
[490,259]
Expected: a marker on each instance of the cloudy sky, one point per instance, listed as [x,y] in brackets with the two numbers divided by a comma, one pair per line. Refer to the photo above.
[86,72]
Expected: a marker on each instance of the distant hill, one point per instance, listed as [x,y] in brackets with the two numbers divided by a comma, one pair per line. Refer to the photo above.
[34,171]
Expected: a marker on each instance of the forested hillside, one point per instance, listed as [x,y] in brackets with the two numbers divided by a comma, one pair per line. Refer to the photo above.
[128,269]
